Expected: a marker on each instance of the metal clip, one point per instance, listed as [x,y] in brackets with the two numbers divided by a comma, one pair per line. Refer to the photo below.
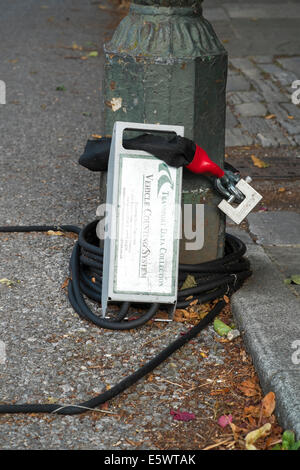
[251,198]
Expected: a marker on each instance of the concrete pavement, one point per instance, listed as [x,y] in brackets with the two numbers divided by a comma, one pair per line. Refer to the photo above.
[267,309]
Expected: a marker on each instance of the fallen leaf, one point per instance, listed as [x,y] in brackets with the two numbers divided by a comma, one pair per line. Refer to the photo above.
[97,136]
[288,441]
[281,190]
[220,391]
[270,116]
[290,117]
[93,54]
[104,406]
[52,232]
[65,283]
[268,404]
[236,430]
[258,162]
[52,400]
[252,411]
[182,415]
[189,282]
[6,282]
[249,388]
[253,436]
[221,328]
[114,104]
[294,279]
[75,47]
[224,420]
[133,443]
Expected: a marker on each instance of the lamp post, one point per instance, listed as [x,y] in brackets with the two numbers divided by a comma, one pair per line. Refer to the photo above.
[165,64]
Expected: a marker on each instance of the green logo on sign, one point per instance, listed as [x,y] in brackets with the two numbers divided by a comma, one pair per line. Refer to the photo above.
[165,177]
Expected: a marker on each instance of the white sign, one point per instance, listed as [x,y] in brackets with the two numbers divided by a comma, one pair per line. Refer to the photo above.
[147,226]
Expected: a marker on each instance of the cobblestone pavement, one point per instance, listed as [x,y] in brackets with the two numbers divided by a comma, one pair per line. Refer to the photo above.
[263,44]
[261,101]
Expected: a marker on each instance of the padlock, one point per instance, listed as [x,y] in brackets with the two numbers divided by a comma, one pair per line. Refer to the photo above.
[239,213]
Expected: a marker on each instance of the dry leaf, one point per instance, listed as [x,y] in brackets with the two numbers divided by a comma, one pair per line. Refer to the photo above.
[270,116]
[65,283]
[258,162]
[221,391]
[290,117]
[75,47]
[51,232]
[251,411]
[281,190]
[236,430]
[97,136]
[268,404]
[253,436]
[248,388]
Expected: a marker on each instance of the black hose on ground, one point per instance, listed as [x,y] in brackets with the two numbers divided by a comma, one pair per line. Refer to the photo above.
[214,280]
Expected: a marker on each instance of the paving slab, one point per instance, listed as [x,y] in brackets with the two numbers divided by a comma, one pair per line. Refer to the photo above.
[291,63]
[239,97]
[283,111]
[237,83]
[280,228]
[235,137]
[265,132]
[244,64]
[231,120]
[251,109]
[287,260]
[284,77]
[262,59]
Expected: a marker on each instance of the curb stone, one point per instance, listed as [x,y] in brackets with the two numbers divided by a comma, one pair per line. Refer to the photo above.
[267,313]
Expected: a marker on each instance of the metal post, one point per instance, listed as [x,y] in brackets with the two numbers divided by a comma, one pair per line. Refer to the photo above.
[165,64]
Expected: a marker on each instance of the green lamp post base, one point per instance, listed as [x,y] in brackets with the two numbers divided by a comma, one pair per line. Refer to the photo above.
[165,64]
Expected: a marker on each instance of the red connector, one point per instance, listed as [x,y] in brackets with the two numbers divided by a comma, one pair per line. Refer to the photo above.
[201,163]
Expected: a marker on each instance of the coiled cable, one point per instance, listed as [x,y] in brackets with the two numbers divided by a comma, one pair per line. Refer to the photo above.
[214,280]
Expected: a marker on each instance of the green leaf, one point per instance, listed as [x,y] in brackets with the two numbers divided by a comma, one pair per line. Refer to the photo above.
[277,447]
[93,54]
[189,282]
[6,282]
[221,328]
[61,88]
[288,440]
[296,279]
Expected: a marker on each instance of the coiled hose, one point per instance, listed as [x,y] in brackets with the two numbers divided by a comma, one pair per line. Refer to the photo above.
[214,280]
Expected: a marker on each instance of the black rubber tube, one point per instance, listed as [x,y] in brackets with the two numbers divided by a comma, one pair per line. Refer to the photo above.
[225,276]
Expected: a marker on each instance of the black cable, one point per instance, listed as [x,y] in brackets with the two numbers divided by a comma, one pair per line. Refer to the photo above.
[214,279]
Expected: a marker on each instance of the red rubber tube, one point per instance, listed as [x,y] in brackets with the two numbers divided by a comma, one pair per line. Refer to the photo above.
[201,163]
